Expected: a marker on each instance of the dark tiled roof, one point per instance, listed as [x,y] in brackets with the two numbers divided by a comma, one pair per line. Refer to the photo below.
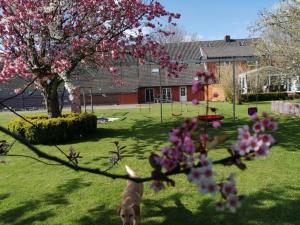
[187,51]
[132,77]
[232,48]
[101,81]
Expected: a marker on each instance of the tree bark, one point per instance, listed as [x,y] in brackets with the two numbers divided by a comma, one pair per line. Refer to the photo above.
[51,97]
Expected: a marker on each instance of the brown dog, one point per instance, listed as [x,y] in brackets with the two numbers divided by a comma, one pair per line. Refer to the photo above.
[129,210]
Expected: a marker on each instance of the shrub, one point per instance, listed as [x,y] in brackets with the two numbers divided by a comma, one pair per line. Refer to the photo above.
[55,130]
[264,96]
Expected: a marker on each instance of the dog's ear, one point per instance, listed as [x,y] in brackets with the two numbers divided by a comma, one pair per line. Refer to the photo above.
[119,209]
[136,209]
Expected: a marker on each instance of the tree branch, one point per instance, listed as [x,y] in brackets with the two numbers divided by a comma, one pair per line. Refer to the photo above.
[97,171]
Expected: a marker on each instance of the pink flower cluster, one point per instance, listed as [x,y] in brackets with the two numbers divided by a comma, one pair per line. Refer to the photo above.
[92,31]
[258,143]
[181,153]
[188,153]
[203,176]
[230,199]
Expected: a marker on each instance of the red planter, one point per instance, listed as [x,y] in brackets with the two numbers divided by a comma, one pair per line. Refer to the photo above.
[210,118]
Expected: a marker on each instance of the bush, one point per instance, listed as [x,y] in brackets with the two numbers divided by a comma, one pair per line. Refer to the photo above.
[264,96]
[56,130]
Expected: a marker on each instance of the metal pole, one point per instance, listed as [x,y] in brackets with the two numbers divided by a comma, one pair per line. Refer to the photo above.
[92,106]
[233,90]
[257,77]
[160,96]
[83,96]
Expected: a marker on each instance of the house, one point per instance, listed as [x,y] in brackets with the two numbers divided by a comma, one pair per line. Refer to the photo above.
[268,79]
[142,84]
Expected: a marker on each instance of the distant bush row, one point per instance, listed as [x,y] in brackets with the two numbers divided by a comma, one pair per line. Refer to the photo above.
[264,96]
[54,130]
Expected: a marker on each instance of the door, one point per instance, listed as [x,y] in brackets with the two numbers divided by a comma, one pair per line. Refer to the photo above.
[167,95]
[149,95]
[183,94]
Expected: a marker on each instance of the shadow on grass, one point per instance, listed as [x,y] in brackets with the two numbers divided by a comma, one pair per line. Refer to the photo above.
[100,215]
[267,207]
[272,206]
[4,196]
[21,215]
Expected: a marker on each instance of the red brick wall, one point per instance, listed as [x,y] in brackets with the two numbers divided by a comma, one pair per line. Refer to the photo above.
[120,98]
[175,94]
[129,98]
[191,96]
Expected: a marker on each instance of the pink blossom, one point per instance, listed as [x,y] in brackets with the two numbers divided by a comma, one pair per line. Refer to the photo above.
[208,186]
[255,143]
[215,94]
[157,186]
[228,188]
[142,62]
[206,171]
[212,188]
[216,124]
[195,102]
[273,126]
[254,117]
[204,137]
[195,86]
[113,70]
[233,203]
[258,127]
[266,139]
[220,206]
[189,161]
[242,148]
[18,90]
[262,151]
[195,175]
[167,163]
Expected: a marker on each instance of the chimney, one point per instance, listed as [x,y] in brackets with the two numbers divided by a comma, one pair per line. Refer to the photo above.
[227,38]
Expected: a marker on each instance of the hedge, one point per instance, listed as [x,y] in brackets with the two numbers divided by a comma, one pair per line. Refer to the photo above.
[264,96]
[55,130]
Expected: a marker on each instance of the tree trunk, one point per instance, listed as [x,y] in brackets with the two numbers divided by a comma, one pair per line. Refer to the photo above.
[51,98]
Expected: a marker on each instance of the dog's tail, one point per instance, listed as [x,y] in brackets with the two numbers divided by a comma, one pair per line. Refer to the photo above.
[130,171]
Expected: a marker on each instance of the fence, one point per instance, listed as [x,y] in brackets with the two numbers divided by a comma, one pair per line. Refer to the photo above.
[287,108]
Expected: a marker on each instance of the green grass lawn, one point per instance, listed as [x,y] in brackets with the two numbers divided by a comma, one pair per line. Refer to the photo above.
[33,193]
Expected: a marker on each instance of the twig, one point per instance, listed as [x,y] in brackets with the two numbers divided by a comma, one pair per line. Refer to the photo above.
[28,121]
[20,93]
[31,157]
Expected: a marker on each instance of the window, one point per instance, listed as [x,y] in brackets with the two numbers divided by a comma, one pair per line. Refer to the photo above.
[251,65]
[149,95]
[167,95]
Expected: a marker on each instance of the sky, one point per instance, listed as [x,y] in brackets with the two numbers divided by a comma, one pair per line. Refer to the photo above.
[213,19]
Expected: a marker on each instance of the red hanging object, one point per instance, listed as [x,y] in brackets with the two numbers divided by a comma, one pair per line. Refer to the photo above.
[210,118]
